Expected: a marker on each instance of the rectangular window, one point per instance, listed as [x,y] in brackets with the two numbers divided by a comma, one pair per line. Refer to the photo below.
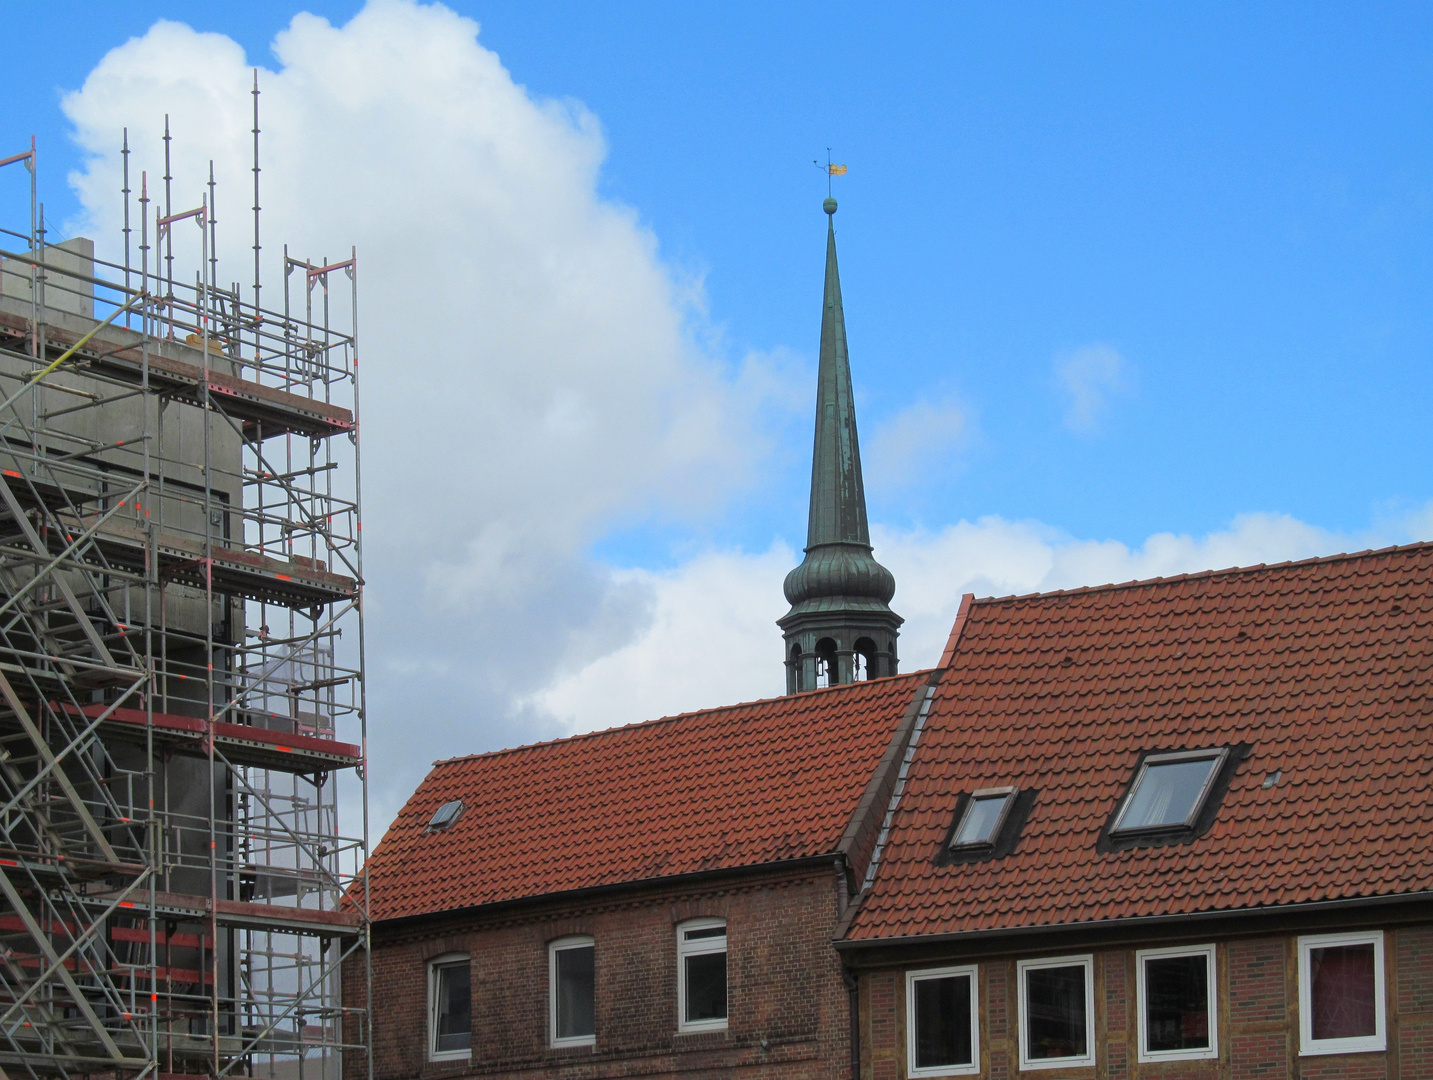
[701,975]
[1169,790]
[1177,1016]
[942,1022]
[450,1008]
[984,813]
[1057,1022]
[1341,994]
[572,977]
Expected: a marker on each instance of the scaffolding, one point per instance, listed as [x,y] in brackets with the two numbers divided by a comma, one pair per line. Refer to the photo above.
[181,652]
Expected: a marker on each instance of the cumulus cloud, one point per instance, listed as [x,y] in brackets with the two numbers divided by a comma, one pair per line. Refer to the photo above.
[731,600]
[530,371]
[905,447]
[1089,377]
[713,640]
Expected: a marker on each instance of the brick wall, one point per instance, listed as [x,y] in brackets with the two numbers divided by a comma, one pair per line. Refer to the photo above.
[1258,1023]
[788,1008]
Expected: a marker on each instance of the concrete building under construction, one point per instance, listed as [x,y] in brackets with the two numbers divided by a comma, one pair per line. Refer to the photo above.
[181,648]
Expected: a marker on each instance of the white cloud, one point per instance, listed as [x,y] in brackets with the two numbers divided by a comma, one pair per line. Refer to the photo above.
[907,446]
[1089,376]
[530,372]
[715,642]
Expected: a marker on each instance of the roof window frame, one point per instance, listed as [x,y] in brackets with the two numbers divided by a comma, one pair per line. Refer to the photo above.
[1010,793]
[1004,838]
[1217,756]
[435,825]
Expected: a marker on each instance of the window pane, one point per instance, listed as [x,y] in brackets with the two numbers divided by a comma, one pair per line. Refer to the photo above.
[1176,1005]
[1055,1012]
[943,1022]
[575,993]
[980,820]
[454,1009]
[706,987]
[1167,793]
[1342,994]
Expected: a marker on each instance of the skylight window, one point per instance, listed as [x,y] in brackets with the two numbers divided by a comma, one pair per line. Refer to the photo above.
[445,815]
[984,814]
[1169,790]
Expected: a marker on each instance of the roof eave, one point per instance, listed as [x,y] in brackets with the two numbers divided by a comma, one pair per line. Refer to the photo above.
[802,862]
[876,952]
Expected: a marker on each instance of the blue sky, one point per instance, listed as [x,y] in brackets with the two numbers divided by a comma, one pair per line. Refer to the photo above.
[1210,224]
[1236,198]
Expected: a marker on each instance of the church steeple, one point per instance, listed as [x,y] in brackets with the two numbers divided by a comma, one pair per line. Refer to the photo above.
[840,627]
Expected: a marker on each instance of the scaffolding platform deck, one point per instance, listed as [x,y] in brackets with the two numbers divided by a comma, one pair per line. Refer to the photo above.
[236,571]
[264,410]
[241,914]
[241,744]
[293,582]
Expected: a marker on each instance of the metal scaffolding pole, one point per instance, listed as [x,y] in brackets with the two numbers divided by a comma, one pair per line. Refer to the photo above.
[181,653]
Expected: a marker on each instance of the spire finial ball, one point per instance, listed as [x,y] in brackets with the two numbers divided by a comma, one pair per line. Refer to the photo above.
[829,205]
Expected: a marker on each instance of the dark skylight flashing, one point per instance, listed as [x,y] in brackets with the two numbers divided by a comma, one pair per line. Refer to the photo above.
[1138,821]
[986,825]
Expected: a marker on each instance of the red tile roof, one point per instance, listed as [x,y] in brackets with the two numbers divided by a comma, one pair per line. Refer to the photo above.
[1325,667]
[720,789]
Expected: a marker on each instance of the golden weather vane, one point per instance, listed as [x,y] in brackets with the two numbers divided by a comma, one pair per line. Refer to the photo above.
[831,170]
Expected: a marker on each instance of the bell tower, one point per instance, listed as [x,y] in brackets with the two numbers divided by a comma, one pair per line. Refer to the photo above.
[840,627]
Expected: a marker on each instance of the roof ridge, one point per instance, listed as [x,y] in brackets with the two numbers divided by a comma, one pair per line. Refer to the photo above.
[671,718]
[1196,575]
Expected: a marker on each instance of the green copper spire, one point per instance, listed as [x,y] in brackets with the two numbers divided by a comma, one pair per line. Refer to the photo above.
[840,626]
[838,497]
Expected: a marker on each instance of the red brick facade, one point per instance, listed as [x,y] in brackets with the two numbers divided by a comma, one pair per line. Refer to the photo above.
[788,1008]
[1258,1017]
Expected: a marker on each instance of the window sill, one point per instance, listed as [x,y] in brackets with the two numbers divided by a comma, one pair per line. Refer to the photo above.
[704,1035]
[448,1061]
[576,1046]
[943,1070]
[1371,1045]
[1041,1064]
[1178,1055]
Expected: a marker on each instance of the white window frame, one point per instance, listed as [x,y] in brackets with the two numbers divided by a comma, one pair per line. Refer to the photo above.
[1211,983]
[574,941]
[1361,1044]
[972,972]
[700,947]
[1218,755]
[1085,960]
[434,965]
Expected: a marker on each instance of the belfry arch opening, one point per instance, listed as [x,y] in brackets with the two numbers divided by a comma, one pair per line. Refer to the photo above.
[827,672]
[863,660]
